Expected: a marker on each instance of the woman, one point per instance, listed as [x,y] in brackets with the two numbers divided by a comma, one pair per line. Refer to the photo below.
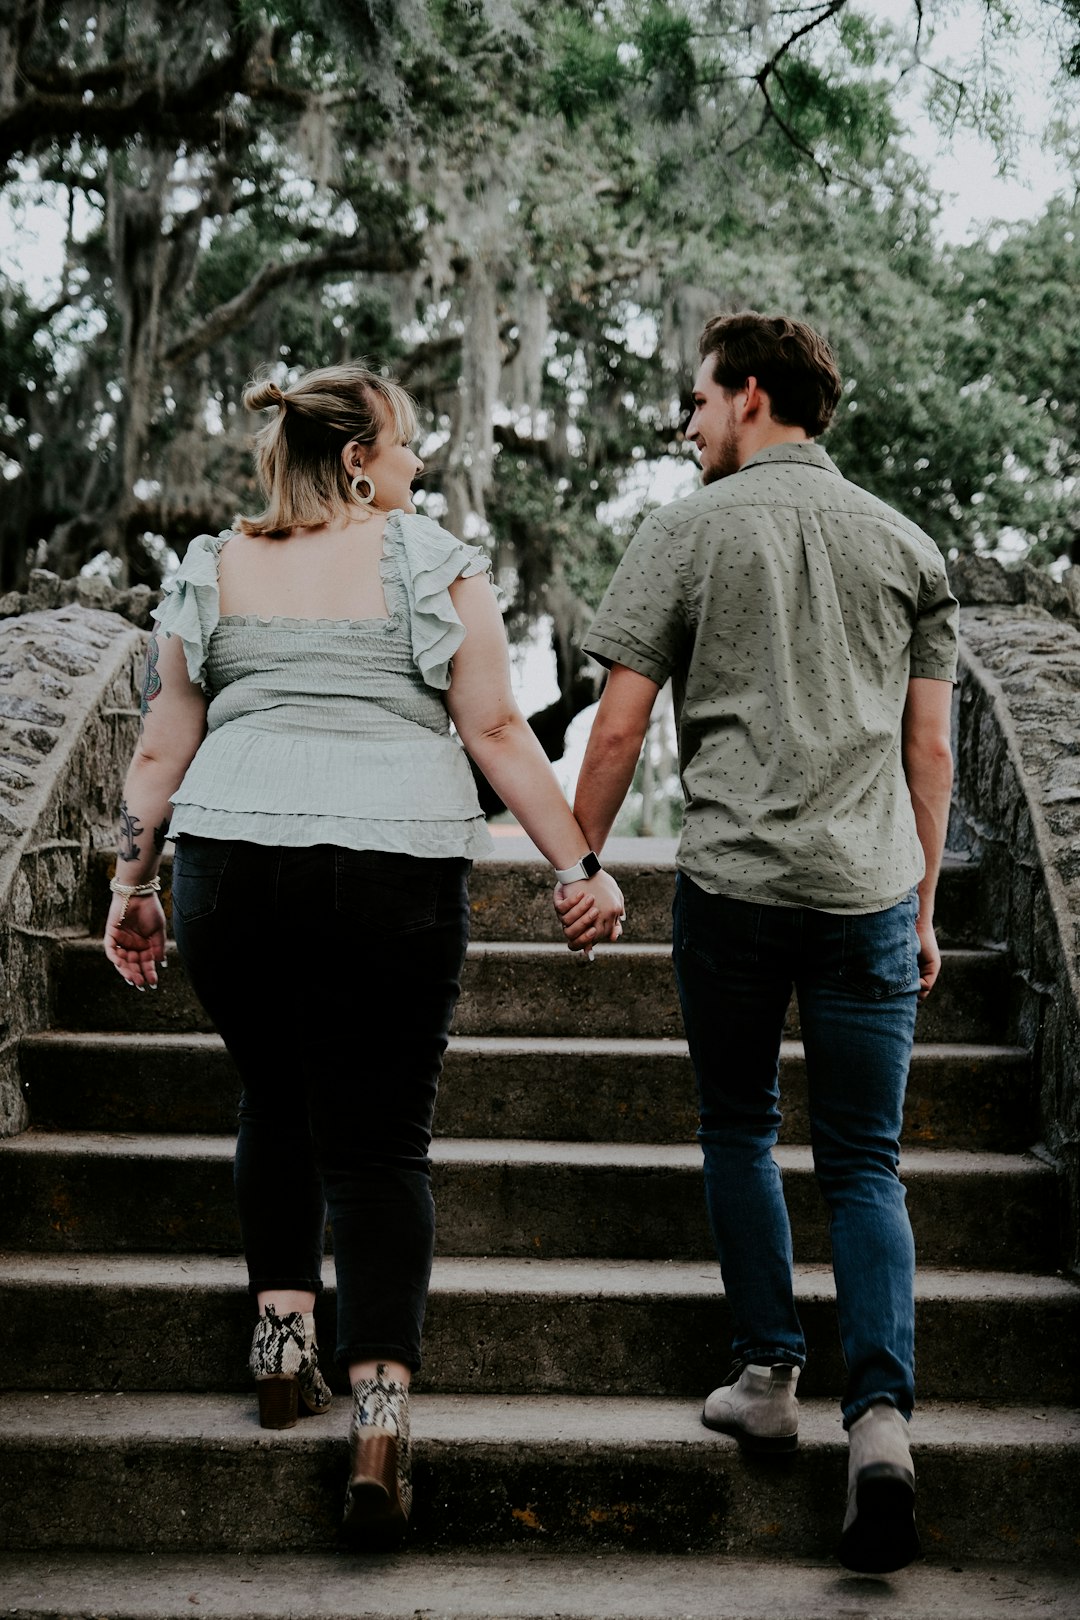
[296,712]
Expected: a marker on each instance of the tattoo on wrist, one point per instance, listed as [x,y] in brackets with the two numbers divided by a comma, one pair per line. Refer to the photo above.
[130,829]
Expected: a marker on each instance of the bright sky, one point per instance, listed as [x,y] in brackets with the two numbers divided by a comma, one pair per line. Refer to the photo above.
[962,166]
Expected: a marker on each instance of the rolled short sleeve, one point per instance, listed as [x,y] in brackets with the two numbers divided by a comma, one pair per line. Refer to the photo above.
[642,620]
[934,644]
[191,607]
[430,559]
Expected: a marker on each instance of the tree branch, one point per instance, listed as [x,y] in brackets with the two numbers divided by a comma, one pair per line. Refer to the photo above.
[770,70]
[521,444]
[797,143]
[60,81]
[175,111]
[829,11]
[228,316]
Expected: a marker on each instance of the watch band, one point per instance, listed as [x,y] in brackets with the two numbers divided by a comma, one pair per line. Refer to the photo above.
[587,867]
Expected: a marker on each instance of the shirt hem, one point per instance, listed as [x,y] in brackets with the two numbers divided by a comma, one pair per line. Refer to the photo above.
[610,652]
[754,896]
[466,837]
[934,672]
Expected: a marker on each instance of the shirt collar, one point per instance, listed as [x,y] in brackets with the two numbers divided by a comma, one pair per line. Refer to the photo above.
[806,454]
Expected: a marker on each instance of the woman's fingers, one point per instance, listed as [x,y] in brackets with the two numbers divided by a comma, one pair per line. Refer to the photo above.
[590,913]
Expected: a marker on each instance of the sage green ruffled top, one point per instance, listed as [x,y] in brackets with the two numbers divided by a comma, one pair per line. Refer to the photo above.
[331,731]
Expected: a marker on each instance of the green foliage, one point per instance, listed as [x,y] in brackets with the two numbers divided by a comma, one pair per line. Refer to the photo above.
[1070,10]
[504,201]
[839,121]
[584,72]
[667,49]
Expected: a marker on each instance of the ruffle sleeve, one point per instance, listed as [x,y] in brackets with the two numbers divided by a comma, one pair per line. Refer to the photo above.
[429,561]
[191,608]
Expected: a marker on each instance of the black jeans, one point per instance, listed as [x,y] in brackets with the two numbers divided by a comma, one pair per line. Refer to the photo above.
[332,975]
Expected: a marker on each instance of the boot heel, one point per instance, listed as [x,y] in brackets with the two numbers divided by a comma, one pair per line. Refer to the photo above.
[285,1361]
[277,1402]
[373,1489]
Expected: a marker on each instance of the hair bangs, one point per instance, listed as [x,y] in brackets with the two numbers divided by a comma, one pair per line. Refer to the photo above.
[400,411]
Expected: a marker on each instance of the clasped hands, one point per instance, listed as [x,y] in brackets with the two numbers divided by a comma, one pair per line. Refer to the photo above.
[590,910]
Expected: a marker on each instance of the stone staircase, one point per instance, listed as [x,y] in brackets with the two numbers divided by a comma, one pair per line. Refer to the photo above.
[575,1320]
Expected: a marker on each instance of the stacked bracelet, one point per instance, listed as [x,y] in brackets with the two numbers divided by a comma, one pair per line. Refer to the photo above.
[131,891]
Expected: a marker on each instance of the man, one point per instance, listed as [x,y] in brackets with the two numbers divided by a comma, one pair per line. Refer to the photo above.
[810,636]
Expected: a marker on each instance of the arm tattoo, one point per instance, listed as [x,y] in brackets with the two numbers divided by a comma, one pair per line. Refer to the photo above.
[151,681]
[130,829]
[160,834]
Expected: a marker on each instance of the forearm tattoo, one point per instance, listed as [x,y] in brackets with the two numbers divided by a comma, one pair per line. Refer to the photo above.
[161,832]
[151,681]
[130,829]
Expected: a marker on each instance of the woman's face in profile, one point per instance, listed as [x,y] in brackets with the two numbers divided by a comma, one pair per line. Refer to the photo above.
[392,465]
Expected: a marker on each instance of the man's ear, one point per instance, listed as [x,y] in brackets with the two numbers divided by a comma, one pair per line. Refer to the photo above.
[757,402]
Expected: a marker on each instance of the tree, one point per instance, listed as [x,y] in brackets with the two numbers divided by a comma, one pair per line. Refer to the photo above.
[163,127]
[1018,308]
[525,208]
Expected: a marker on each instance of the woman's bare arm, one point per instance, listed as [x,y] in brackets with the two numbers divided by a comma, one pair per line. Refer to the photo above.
[172,724]
[501,741]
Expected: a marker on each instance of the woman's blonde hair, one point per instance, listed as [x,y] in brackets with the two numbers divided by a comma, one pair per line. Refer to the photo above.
[298,454]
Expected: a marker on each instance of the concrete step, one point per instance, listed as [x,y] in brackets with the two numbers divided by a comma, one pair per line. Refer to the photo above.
[511,898]
[559,1087]
[183,1474]
[601,1327]
[525,1584]
[511,891]
[535,1200]
[519,990]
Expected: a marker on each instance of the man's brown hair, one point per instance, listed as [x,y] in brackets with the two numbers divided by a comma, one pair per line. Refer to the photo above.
[793,364]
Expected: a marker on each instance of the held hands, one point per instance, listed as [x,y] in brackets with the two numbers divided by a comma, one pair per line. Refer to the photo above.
[136,946]
[590,910]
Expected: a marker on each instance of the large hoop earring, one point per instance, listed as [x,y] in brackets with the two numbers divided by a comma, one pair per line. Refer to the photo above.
[365,498]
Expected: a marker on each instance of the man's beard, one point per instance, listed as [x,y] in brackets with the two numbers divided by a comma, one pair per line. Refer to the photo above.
[724,459]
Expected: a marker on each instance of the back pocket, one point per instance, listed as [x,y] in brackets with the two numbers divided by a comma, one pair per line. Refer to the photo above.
[881,951]
[380,889]
[198,867]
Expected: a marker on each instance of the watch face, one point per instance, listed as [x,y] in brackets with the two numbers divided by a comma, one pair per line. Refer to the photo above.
[590,865]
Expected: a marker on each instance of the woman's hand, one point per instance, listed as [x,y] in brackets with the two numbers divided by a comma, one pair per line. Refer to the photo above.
[590,909]
[136,946]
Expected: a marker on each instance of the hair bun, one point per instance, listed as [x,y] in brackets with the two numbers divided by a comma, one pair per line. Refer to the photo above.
[262,395]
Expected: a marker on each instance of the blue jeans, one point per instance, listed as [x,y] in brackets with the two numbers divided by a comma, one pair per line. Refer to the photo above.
[332,976]
[857,979]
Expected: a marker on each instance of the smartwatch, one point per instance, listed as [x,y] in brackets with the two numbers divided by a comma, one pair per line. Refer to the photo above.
[587,867]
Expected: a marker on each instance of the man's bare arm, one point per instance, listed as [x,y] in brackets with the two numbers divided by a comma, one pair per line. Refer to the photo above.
[613,751]
[928,767]
[607,771]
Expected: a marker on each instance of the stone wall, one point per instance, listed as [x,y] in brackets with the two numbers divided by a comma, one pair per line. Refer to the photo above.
[68,722]
[45,591]
[1017,807]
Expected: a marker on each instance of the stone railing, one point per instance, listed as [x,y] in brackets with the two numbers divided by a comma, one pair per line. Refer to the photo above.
[68,722]
[1017,807]
[45,591]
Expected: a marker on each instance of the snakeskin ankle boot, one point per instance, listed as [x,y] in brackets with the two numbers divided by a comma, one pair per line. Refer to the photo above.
[285,1360]
[379,1496]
